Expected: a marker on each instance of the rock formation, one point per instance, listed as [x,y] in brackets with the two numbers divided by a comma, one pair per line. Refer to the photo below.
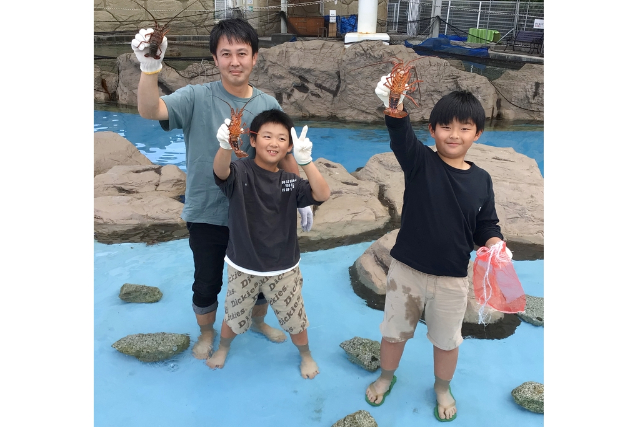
[325,79]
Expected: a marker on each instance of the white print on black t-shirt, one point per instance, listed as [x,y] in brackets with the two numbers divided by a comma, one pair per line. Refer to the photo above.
[288,185]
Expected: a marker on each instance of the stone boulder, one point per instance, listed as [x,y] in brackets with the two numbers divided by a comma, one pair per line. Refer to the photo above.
[139,293]
[138,218]
[530,395]
[167,180]
[152,347]
[105,84]
[360,418]
[363,352]
[518,186]
[534,311]
[520,94]
[352,214]
[323,78]
[111,149]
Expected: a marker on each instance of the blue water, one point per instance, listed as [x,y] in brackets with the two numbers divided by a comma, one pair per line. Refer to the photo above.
[260,384]
[351,147]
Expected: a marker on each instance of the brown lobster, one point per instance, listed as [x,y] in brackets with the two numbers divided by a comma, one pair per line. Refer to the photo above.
[155,38]
[236,126]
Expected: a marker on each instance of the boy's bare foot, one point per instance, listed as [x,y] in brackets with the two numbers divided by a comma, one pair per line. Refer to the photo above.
[380,386]
[203,347]
[217,359]
[273,334]
[446,405]
[308,367]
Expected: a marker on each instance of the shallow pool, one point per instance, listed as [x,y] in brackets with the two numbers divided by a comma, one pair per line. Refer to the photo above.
[350,145]
[260,384]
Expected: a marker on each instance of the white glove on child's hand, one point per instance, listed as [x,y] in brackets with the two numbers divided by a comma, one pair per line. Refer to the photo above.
[140,46]
[301,146]
[307,218]
[383,92]
[223,135]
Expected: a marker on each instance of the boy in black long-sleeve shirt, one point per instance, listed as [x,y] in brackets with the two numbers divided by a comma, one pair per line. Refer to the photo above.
[448,206]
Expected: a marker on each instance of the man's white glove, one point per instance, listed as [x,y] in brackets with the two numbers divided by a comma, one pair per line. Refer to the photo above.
[301,147]
[307,218]
[383,92]
[140,46]
[223,135]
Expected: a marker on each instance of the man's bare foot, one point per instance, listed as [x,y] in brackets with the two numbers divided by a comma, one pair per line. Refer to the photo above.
[308,367]
[217,359]
[380,386]
[203,347]
[446,405]
[273,334]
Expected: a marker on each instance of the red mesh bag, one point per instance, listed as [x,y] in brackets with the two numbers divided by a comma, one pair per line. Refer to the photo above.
[495,282]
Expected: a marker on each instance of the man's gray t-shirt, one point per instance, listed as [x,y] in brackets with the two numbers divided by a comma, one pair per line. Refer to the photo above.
[199,112]
[262,216]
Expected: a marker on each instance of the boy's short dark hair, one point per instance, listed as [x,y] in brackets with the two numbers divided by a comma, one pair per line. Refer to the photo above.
[271,116]
[236,30]
[461,105]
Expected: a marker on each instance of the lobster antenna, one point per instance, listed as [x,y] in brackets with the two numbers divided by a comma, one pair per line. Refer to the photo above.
[185,8]
[154,18]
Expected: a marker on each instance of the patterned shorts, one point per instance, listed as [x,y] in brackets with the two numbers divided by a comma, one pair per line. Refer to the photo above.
[284,293]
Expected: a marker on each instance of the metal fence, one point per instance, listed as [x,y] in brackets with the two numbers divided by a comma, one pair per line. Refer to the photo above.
[413,17]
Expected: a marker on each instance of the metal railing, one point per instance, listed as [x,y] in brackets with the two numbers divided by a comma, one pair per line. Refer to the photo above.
[458,16]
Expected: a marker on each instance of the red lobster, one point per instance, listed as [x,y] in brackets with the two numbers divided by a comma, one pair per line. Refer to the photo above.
[236,126]
[155,38]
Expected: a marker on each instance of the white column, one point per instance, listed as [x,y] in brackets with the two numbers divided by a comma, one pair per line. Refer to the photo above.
[367,16]
[367,21]
[283,23]
[436,10]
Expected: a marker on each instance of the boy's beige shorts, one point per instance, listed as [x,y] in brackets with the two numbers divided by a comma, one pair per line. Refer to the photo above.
[409,292]
[284,293]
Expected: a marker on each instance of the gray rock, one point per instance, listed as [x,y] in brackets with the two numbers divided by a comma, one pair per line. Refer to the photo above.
[534,311]
[166,180]
[363,352]
[352,214]
[521,93]
[530,395]
[320,78]
[111,149]
[357,419]
[152,347]
[139,293]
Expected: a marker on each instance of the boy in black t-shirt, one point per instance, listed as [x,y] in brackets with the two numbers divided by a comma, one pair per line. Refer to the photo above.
[263,252]
[448,206]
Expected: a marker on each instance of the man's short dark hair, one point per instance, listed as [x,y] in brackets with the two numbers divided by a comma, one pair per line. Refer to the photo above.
[461,105]
[271,116]
[235,30]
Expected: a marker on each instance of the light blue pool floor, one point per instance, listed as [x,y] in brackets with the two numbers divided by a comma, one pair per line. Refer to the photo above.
[260,384]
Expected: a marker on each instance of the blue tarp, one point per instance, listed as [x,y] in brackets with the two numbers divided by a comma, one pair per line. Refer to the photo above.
[348,24]
[443,44]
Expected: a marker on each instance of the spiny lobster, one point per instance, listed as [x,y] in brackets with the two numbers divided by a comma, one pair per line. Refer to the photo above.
[399,81]
[155,38]
[236,127]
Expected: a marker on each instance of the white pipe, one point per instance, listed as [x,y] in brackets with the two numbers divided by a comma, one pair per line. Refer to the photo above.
[367,16]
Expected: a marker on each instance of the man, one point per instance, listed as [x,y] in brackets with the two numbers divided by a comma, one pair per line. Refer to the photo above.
[199,110]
